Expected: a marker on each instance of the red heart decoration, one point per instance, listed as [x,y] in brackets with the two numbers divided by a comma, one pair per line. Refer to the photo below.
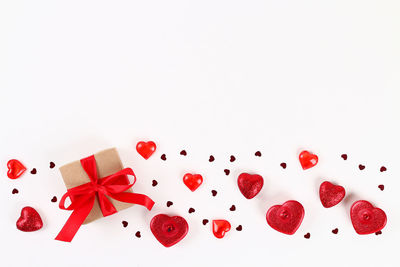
[307,160]
[286,218]
[220,227]
[169,230]
[15,169]
[146,149]
[192,181]
[250,184]
[331,194]
[29,220]
[367,219]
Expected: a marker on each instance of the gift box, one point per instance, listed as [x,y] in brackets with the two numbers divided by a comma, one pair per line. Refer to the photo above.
[97,186]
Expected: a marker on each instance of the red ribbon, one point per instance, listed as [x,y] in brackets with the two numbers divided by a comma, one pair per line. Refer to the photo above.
[83,197]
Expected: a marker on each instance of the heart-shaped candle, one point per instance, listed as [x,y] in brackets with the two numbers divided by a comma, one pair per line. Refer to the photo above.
[220,227]
[331,194]
[15,169]
[286,218]
[169,230]
[146,149]
[250,184]
[192,181]
[367,219]
[29,220]
[307,160]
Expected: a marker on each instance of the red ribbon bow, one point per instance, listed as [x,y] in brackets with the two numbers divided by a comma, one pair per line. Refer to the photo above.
[83,197]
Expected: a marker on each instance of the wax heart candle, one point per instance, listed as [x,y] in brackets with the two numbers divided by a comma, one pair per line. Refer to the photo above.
[250,184]
[192,181]
[146,149]
[15,169]
[220,227]
[367,219]
[169,230]
[286,218]
[307,160]
[29,220]
[330,194]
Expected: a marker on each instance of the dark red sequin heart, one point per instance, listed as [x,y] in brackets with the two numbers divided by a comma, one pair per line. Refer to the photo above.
[331,194]
[250,184]
[367,219]
[146,149]
[29,220]
[220,228]
[286,218]
[169,230]
[192,181]
[307,160]
[15,169]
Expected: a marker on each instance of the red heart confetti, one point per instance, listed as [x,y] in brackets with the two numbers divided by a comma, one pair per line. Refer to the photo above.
[169,230]
[211,159]
[307,160]
[124,224]
[361,167]
[286,218]
[335,231]
[257,154]
[330,194]
[191,210]
[220,228]
[169,203]
[250,184]
[205,221]
[15,191]
[381,187]
[367,219]
[29,220]
[239,228]
[192,181]
[52,165]
[283,165]
[33,171]
[383,169]
[214,192]
[146,149]
[232,208]
[227,172]
[15,169]
[378,233]
[154,183]
[137,234]
[164,157]
[344,156]
[232,158]
[54,199]
[307,236]
[183,153]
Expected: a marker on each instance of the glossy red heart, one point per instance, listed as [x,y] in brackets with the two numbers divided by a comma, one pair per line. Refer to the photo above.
[192,181]
[367,219]
[330,194]
[146,149]
[15,169]
[220,228]
[286,218]
[307,160]
[29,220]
[169,230]
[250,184]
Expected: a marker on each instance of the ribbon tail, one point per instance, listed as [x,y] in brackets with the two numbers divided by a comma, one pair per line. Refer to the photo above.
[134,198]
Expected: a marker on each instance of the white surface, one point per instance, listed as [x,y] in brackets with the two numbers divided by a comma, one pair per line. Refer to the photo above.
[211,77]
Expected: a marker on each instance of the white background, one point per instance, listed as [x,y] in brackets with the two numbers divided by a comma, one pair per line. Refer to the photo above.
[211,77]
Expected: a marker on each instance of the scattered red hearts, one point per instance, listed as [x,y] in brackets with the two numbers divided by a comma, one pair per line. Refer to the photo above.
[137,234]
[307,236]
[205,221]
[381,187]
[344,156]
[330,194]
[361,167]
[250,184]
[257,154]
[227,172]
[169,230]
[15,191]
[192,181]
[232,158]
[283,165]
[286,218]
[124,224]
[335,231]
[239,228]
[211,159]
[146,149]
[29,220]
[367,219]
[15,169]
[220,228]
[307,160]
[383,169]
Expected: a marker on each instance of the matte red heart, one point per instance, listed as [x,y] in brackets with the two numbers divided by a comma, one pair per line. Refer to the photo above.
[367,219]
[29,220]
[286,218]
[169,230]
[250,184]
[146,149]
[192,181]
[330,194]
[220,228]
[15,169]
[307,160]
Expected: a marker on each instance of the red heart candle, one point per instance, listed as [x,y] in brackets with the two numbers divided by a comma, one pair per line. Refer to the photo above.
[220,227]
[29,220]
[330,194]
[367,219]
[146,149]
[250,184]
[286,218]
[15,169]
[307,160]
[192,181]
[169,230]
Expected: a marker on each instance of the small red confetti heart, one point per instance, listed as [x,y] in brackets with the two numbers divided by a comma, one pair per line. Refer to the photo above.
[330,194]
[146,149]
[381,187]
[137,234]
[52,165]
[33,171]
[367,219]
[232,208]
[361,167]
[307,160]
[220,227]
[205,221]
[15,191]
[192,181]
[164,157]
[335,231]
[54,199]
[169,230]
[283,165]
[183,153]
[15,169]
[227,172]
[214,192]
[383,169]
[232,159]
[169,203]
[29,220]
[378,233]
[257,154]
[307,236]
[239,228]
[344,156]
[211,159]
[286,218]
[191,210]
[124,224]
[250,184]
[154,183]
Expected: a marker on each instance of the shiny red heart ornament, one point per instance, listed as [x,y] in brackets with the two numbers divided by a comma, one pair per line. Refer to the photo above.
[15,169]
[367,219]
[307,160]
[250,184]
[286,218]
[220,227]
[192,181]
[169,230]
[29,220]
[330,194]
[146,149]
